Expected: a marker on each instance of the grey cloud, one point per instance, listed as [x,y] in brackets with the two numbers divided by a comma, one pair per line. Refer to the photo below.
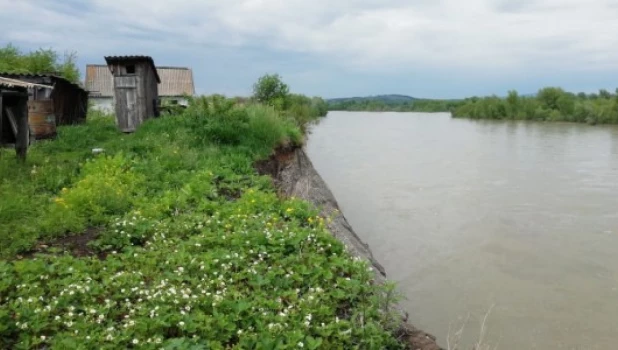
[357,34]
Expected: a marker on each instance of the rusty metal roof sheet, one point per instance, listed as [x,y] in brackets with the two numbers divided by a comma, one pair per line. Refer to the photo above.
[175,81]
[133,58]
[9,82]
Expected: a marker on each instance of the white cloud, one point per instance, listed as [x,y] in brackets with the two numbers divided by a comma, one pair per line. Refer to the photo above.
[361,34]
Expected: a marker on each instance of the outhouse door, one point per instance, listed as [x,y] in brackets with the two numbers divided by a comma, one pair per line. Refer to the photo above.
[127,116]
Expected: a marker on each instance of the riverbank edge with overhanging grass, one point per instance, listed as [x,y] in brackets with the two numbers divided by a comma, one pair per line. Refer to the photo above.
[169,238]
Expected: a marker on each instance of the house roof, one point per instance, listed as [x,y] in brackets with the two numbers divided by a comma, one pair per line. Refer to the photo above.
[175,81]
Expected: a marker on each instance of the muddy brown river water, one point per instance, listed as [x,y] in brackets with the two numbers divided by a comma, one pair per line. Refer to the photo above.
[468,214]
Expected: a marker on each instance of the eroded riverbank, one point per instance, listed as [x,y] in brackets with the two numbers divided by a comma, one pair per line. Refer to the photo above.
[294,176]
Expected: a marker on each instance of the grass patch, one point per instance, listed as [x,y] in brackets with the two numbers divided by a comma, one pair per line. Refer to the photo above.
[200,253]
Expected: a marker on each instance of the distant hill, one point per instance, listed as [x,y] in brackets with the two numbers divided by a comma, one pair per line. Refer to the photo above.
[388,99]
[391,103]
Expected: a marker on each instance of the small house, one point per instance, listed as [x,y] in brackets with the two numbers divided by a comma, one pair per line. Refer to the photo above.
[135,90]
[176,84]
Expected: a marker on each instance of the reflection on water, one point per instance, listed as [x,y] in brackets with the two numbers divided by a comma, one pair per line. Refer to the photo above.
[468,214]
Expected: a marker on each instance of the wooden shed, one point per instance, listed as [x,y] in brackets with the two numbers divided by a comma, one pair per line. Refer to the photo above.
[68,100]
[135,90]
[14,128]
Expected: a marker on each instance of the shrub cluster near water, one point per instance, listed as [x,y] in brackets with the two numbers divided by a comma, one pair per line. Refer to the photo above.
[195,250]
[549,104]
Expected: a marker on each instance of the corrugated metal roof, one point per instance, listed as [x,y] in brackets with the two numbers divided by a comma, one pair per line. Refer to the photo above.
[133,58]
[175,81]
[18,76]
[8,82]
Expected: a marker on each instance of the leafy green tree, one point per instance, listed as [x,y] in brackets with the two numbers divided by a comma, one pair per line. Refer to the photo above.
[41,61]
[512,104]
[566,104]
[605,94]
[549,97]
[270,89]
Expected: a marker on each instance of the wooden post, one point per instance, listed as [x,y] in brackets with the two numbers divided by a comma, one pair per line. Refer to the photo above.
[23,131]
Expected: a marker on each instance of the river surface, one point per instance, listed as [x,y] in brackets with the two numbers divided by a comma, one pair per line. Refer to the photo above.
[468,214]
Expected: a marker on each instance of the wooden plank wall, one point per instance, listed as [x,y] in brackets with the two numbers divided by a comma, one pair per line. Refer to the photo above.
[141,111]
[70,103]
[152,88]
[127,108]
[148,90]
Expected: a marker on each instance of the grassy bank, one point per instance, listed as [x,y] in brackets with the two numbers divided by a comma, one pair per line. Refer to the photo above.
[549,104]
[187,247]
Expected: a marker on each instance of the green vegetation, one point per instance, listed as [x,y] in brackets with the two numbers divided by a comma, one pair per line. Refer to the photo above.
[194,249]
[391,103]
[550,104]
[41,61]
[271,90]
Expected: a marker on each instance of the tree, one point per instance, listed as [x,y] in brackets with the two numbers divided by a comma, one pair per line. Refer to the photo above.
[605,94]
[41,61]
[512,104]
[549,97]
[271,89]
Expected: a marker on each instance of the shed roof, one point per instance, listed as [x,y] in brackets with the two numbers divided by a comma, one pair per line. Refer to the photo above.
[12,83]
[175,81]
[48,77]
[133,58]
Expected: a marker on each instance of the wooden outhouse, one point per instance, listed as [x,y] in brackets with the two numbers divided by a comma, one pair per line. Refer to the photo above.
[135,90]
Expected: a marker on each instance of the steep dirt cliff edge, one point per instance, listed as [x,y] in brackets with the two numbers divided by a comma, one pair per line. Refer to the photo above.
[294,175]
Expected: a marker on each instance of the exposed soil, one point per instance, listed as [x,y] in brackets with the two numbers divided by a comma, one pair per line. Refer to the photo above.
[273,165]
[76,245]
[294,175]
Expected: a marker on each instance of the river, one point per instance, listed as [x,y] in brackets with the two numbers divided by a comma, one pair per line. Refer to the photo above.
[465,215]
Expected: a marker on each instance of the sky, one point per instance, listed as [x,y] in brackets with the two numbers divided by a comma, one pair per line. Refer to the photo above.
[339,48]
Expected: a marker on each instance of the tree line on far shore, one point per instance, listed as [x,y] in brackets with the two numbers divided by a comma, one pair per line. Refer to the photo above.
[383,105]
[549,104]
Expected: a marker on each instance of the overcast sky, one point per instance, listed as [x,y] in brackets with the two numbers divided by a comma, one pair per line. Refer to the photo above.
[334,48]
